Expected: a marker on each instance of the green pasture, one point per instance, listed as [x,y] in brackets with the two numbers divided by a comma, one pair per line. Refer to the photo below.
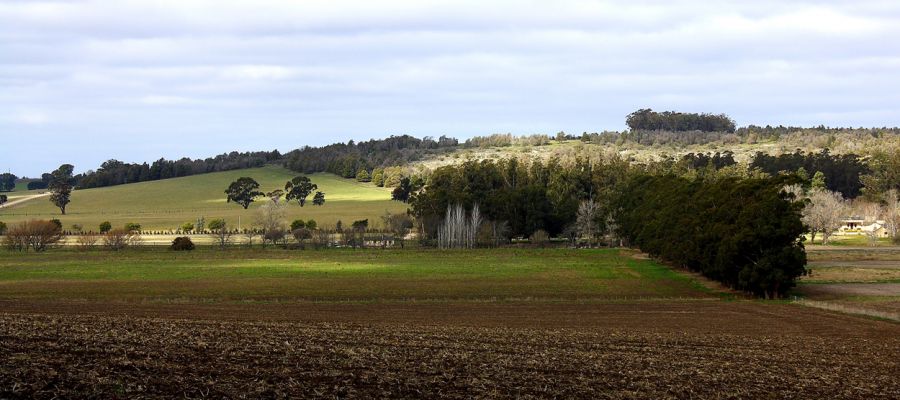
[236,275]
[167,204]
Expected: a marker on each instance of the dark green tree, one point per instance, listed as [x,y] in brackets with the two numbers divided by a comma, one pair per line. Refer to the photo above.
[405,189]
[297,224]
[61,184]
[7,182]
[105,227]
[3,199]
[243,191]
[319,199]
[299,189]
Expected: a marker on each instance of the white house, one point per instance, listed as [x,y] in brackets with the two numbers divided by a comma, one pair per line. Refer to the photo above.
[856,225]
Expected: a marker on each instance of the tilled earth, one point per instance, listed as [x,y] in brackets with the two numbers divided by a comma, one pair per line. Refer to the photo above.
[633,350]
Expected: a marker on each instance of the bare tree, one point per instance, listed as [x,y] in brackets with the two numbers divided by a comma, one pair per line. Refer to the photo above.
[586,221]
[892,213]
[825,213]
[117,239]
[459,230]
[35,234]
[87,241]
[398,224]
[219,230]
[475,221]
[270,218]
[872,213]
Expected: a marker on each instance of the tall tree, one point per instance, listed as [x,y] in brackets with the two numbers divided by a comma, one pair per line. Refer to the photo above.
[7,182]
[405,189]
[243,191]
[299,189]
[61,183]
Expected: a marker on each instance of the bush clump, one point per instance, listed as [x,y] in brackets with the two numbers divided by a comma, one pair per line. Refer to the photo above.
[182,243]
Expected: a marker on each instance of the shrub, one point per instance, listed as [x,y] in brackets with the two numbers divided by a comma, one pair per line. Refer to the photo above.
[187,227]
[298,224]
[363,176]
[220,232]
[105,227]
[36,235]
[87,241]
[132,227]
[2,228]
[36,185]
[182,243]
[57,222]
[311,224]
[118,239]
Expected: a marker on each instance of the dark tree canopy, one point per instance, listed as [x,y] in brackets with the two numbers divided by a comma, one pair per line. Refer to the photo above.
[744,233]
[7,182]
[299,189]
[115,172]
[406,187]
[61,184]
[319,199]
[243,191]
[529,197]
[347,159]
[3,199]
[842,172]
[649,120]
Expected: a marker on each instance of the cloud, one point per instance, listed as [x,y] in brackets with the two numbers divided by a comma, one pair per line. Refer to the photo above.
[30,117]
[160,100]
[207,76]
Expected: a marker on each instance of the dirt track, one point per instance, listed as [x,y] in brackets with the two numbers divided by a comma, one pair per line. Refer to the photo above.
[705,349]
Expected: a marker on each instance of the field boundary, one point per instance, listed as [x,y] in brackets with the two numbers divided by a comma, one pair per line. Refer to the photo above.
[844,309]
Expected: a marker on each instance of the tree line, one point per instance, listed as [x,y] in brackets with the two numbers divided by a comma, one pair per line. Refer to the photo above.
[745,233]
[742,230]
[348,159]
[842,172]
[115,172]
[648,120]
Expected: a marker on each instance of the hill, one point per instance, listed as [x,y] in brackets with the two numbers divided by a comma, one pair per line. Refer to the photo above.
[166,204]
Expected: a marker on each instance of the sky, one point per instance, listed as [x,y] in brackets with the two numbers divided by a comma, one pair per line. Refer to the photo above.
[86,81]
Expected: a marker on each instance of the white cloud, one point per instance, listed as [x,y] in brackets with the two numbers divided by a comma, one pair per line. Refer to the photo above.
[313,72]
[28,117]
[160,100]
[256,72]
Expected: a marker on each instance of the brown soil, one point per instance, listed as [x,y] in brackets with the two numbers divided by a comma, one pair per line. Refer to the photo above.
[691,349]
[840,290]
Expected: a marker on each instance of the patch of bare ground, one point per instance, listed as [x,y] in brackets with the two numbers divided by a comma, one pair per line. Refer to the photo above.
[841,290]
[690,349]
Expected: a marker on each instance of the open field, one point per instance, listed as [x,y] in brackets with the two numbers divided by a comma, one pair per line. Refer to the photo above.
[474,350]
[339,275]
[499,323]
[167,204]
[856,279]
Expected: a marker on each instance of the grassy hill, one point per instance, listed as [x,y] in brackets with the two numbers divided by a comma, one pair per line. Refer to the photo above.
[166,204]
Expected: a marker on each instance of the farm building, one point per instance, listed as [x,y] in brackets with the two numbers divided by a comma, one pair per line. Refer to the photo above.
[856,225]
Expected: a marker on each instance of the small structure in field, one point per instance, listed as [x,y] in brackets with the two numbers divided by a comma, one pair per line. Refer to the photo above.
[856,225]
